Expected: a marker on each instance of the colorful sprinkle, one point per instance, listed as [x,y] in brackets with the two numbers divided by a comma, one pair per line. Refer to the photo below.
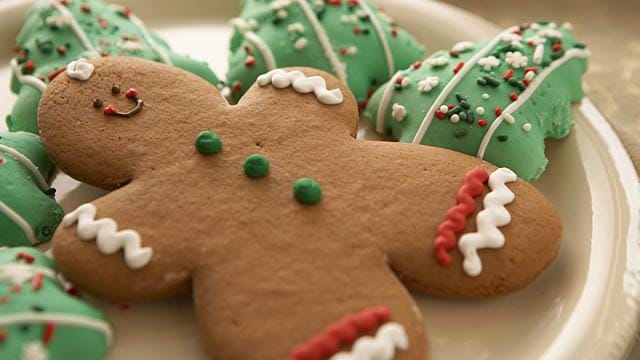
[36,282]
[526,127]
[256,166]
[49,330]
[307,191]
[208,143]
[482,122]
[458,67]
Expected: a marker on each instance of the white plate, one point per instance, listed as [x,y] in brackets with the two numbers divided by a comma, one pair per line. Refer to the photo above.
[586,306]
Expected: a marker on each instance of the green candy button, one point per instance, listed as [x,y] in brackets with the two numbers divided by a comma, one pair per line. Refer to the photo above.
[307,191]
[256,166]
[208,143]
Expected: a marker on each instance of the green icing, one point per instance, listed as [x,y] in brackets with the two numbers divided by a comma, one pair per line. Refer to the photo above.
[49,43]
[546,102]
[22,199]
[208,143]
[284,28]
[256,166]
[20,298]
[307,191]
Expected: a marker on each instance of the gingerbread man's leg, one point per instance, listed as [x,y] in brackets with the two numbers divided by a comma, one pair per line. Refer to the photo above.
[273,306]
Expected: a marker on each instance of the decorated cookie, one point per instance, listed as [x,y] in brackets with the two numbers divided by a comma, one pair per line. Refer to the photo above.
[352,39]
[285,227]
[497,100]
[29,214]
[38,319]
[58,32]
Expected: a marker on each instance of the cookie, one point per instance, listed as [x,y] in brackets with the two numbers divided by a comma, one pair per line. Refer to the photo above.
[57,32]
[29,214]
[354,40]
[497,100]
[38,319]
[326,228]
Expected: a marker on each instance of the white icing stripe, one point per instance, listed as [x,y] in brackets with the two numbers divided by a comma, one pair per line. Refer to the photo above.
[389,337]
[522,99]
[384,103]
[17,273]
[454,81]
[265,51]
[108,239]
[164,56]
[77,29]
[15,154]
[27,79]
[60,319]
[382,35]
[488,220]
[338,67]
[302,84]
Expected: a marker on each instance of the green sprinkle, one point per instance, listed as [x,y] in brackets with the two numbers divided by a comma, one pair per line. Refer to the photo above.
[521,86]
[398,87]
[482,82]
[470,117]
[256,166]
[546,63]
[503,138]
[465,105]
[463,116]
[492,81]
[460,133]
[307,191]
[460,97]
[513,82]
[50,192]
[208,143]
[580,46]
[557,55]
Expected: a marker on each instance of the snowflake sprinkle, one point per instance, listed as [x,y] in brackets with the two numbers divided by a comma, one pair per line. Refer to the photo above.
[516,59]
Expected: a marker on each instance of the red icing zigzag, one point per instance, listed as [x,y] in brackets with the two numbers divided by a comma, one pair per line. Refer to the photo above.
[472,187]
[343,332]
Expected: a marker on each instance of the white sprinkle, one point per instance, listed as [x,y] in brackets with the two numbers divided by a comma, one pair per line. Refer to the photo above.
[480,110]
[405,82]
[538,54]
[529,75]
[398,112]
[437,61]
[509,118]
[301,43]
[455,118]
[444,109]
[485,96]
[516,59]
[526,127]
[428,84]
[567,25]
[296,27]
[282,14]
[489,62]
[462,46]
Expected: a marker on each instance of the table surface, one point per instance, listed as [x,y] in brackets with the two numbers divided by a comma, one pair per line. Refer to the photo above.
[611,29]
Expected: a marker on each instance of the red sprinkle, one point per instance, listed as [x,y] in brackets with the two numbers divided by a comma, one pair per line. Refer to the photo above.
[458,67]
[73,291]
[103,22]
[357,30]
[64,2]
[341,333]
[29,65]
[454,54]
[61,50]
[1,161]
[417,64]
[344,51]
[472,187]
[3,335]
[335,2]
[109,110]
[517,31]
[556,47]
[394,32]
[450,106]
[399,80]
[440,114]
[363,104]
[52,75]
[25,257]
[126,11]
[534,69]
[237,86]
[353,2]
[530,43]
[513,96]
[16,288]
[131,93]
[526,82]
[498,111]
[4,299]
[36,282]
[508,75]
[482,122]
[250,62]
[49,330]
[85,8]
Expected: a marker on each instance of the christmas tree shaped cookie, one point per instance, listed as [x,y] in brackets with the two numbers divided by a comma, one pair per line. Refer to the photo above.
[497,100]
[28,212]
[57,32]
[38,319]
[351,39]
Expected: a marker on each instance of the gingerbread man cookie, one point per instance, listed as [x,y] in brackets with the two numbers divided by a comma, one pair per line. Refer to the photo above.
[296,239]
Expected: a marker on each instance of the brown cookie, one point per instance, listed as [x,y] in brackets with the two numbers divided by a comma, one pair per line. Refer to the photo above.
[275,270]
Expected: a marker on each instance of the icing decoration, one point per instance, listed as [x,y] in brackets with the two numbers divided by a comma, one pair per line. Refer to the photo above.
[462,46]
[302,84]
[307,191]
[428,84]
[502,73]
[344,332]
[383,346]
[472,187]
[132,94]
[208,143]
[80,69]
[108,239]
[493,215]
[351,39]
[256,166]
[34,351]
[28,212]
[57,33]
[399,112]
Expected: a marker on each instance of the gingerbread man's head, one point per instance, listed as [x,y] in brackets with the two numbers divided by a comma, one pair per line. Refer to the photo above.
[278,220]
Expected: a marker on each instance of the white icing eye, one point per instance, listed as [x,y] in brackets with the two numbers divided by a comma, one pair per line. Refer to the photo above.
[80,69]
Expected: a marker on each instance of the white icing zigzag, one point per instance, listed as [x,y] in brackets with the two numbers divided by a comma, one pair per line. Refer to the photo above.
[108,239]
[488,220]
[302,84]
[383,346]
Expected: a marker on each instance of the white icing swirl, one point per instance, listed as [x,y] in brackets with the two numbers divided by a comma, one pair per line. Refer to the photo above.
[488,220]
[383,346]
[108,239]
[80,69]
[302,84]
